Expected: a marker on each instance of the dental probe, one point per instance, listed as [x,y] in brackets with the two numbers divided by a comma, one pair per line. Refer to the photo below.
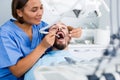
[44,32]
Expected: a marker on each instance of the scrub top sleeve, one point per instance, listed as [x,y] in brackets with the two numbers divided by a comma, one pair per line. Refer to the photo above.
[9,51]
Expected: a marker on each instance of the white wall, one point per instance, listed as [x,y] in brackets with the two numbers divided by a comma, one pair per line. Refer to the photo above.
[5,10]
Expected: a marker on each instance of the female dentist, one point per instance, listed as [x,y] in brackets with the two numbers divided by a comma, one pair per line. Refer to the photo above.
[21,44]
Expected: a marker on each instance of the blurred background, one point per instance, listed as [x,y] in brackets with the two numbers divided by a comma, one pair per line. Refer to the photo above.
[95,17]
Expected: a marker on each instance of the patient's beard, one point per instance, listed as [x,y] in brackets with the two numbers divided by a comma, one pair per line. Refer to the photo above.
[59,46]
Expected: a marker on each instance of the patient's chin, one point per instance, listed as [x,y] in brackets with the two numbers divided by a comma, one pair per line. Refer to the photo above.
[59,46]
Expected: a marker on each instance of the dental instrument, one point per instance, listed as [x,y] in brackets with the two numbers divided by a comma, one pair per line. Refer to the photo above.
[45,32]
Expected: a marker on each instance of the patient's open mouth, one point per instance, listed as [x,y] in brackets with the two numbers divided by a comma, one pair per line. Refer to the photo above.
[61,35]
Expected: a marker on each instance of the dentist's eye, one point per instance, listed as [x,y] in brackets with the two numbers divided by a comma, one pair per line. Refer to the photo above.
[34,10]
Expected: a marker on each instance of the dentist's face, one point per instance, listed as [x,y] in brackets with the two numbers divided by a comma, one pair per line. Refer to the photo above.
[32,12]
[62,41]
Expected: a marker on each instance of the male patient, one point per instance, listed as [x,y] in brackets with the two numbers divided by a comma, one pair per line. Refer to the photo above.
[59,51]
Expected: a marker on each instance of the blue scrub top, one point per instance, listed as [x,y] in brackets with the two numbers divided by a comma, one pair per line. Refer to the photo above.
[14,45]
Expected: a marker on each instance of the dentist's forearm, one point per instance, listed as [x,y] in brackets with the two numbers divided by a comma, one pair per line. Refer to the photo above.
[26,63]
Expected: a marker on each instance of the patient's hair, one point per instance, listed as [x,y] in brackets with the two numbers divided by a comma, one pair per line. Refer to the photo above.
[18,4]
[70,28]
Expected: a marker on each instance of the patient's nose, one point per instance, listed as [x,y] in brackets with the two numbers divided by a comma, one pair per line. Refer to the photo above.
[59,29]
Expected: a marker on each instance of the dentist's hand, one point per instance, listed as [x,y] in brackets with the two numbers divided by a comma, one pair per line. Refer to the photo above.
[49,39]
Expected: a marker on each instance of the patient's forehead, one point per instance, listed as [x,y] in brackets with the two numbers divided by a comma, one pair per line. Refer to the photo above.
[57,25]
